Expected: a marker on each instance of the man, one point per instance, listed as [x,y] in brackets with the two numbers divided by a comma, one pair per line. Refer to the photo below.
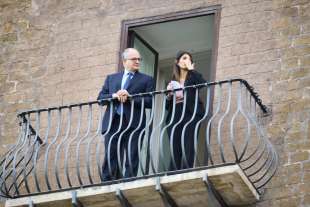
[120,86]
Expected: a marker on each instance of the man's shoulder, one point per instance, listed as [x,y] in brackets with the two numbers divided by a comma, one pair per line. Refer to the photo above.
[114,74]
[145,75]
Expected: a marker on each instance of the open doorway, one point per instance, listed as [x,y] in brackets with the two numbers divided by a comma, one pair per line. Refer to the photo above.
[158,39]
[159,43]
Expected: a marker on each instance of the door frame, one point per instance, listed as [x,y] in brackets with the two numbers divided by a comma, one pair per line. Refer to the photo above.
[211,10]
[204,11]
[130,40]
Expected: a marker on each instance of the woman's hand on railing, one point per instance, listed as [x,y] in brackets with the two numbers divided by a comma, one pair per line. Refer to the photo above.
[170,88]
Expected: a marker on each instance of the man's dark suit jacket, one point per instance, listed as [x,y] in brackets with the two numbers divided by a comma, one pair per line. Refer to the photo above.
[140,83]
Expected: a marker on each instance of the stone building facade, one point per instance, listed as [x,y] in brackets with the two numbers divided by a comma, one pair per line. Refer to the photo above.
[57,52]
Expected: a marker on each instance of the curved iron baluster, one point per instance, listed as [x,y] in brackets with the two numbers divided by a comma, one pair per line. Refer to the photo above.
[69,145]
[260,146]
[156,127]
[269,151]
[131,137]
[174,127]
[103,135]
[257,159]
[207,109]
[90,141]
[28,147]
[208,142]
[37,152]
[267,144]
[59,147]
[48,149]
[248,125]
[120,160]
[77,152]
[143,133]
[21,172]
[261,166]
[15,157]
[165,128]
[184,159]
[113,136]
[219,137]
[8,160]
[232,123]
[276,161]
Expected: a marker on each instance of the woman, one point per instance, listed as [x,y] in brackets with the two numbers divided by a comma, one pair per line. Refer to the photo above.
[183,75]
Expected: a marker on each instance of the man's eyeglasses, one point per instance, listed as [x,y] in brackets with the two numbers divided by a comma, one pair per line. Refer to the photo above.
[135,59]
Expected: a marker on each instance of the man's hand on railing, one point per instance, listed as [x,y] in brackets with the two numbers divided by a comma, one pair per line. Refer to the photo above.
[121,95]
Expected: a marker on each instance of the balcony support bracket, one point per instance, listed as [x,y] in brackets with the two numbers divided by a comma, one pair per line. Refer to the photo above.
[31,203]
[213,191]
[75,201]
[167,199]
[122,199]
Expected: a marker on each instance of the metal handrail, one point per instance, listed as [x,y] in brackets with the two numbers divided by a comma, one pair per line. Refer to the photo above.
[255,95]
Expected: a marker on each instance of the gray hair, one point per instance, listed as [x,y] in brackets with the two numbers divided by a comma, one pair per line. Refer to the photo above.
[126,51]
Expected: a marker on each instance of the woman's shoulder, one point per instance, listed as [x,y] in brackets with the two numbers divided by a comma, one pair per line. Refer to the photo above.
[195,72]
[196,76]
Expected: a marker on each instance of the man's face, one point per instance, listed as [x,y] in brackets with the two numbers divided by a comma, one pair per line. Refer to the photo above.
[132,62]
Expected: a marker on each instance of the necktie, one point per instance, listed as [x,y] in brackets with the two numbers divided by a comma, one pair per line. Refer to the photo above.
[129,76]
[125,86]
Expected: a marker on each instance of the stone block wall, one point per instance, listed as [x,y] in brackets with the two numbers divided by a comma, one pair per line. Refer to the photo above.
[57,52]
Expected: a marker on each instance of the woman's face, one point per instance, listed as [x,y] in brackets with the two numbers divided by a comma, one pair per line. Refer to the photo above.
[184,61]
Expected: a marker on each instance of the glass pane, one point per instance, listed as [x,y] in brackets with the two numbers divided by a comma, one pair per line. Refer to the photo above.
[147,66]
[148,58]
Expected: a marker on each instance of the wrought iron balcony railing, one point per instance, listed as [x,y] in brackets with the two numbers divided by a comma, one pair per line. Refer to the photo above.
[62,148]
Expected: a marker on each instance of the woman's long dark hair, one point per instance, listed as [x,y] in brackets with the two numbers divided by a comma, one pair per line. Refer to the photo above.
[176,68]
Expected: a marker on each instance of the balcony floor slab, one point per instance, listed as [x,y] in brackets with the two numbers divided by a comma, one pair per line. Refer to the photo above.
[187,189]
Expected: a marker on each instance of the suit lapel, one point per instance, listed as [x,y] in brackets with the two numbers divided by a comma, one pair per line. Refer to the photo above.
[119,81]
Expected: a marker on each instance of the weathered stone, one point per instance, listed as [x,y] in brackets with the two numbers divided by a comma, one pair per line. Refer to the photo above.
[8,27]
[292,201]
[300,41]
[281,23]
[8,38]
[304,188]
[294,73]
[305,62]
[3,78]
[299,156]
[283,42]
[301,105]
[294,178]
[8,87]
[305,28]
[241,49]
[291,30]
[306,200]
[292,168]
[306,166]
